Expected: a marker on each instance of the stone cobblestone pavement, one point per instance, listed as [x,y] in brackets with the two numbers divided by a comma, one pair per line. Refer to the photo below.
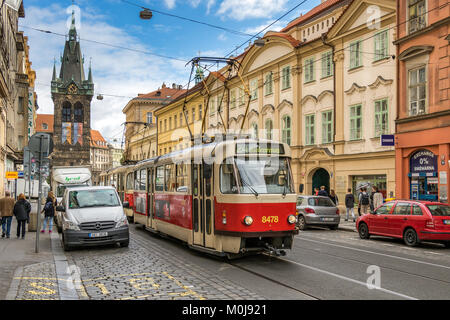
[142,271]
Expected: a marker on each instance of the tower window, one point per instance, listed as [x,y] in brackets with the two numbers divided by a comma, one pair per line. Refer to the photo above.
[66,112]
[78,113]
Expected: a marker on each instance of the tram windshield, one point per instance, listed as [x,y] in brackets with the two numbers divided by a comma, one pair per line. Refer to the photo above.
[257,176]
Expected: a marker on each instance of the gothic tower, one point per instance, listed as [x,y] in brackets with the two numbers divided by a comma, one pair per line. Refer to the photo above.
[72,95]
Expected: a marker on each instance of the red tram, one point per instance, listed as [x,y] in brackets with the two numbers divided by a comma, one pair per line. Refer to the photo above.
[226,198]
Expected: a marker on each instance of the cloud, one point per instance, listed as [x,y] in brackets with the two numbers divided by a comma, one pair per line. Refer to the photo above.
[170,3]
[115,71]
[244,9]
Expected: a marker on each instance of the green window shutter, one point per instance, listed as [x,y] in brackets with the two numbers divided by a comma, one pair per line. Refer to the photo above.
[286,132]
[286,77]
[327,126]
[355,54]
[309,70]
[327,64]
[310,129]
[381,45]
[381,117]
[269,129]
[355,122]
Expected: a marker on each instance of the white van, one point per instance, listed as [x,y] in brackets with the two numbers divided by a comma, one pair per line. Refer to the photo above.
[93,216]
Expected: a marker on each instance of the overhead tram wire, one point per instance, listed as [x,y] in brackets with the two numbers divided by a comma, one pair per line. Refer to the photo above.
[239,33]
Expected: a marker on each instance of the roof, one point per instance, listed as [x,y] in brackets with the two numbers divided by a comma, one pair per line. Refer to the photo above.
[96,139]
[310,14]
[186,93]
[47,119]
[164,93]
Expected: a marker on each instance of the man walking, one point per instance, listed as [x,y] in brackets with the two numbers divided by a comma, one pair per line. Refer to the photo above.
[6,213]
[350,204]
[364,200]
[22,210]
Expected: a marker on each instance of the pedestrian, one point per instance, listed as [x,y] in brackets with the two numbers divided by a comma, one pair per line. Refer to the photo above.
[316,191]
[22,210]
[350,204]
[49,209]
[323,192]
[333,196]
[377,197]
[364,200]
[371,200]
[6,214]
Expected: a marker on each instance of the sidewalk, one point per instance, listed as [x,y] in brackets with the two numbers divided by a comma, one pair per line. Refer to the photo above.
[347,225]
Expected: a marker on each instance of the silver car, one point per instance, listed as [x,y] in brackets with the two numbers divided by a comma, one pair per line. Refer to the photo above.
[317,211]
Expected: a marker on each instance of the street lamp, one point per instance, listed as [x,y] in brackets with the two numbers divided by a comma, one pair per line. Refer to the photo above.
[260,42]
[146,14]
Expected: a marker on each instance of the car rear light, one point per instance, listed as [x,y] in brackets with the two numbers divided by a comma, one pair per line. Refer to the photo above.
[430,224]
[337,211]
[309,210]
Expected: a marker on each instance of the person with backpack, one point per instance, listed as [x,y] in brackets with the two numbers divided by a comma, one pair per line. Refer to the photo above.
[22,210]
[49,209]
[364,200]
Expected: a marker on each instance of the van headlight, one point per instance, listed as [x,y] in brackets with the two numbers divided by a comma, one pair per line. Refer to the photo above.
[122,222]
[69,225]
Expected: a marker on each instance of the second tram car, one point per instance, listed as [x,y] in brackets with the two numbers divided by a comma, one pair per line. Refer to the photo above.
[226,198]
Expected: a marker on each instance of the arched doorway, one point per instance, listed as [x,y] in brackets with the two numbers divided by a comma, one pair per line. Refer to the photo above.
[321,178]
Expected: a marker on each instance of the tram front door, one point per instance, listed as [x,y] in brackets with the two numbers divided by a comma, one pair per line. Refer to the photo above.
[203,205]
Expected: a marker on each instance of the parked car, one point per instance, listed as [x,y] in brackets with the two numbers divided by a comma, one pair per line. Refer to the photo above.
[93,216]
[317,211]
[412,221]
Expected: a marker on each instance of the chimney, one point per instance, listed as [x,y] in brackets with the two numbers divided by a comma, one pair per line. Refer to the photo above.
[164,85]
[174,85]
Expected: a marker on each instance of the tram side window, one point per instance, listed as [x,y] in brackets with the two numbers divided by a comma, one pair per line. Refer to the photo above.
[159,184]
[130,181]
[137,180]
[170,178]
[227,179]
[143,180]
[182,178]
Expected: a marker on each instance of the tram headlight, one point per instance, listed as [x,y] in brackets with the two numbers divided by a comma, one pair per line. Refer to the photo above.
[292,219]
[248,220]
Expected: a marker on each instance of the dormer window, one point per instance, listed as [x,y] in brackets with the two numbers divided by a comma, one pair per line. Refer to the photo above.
[44,126]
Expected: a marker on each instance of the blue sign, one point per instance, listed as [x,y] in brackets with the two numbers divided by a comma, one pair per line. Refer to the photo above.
[423,161]
[20,174]
[387,140]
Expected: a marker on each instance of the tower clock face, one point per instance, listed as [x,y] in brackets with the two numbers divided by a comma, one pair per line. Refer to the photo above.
[72,89]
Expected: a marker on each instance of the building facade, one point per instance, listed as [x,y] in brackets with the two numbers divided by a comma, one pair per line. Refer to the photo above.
[100,154]
[72,95]
[141,122]
[423,122]
[325,85]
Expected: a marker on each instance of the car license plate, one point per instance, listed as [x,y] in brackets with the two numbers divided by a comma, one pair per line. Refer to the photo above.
[327,219]
[446,221]
[98,234]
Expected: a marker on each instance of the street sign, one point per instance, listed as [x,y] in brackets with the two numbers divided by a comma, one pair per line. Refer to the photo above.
[41,143]
[12,175]
[387,140]
[21,174]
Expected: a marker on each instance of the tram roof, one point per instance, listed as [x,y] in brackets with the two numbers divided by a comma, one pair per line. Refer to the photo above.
[208,150]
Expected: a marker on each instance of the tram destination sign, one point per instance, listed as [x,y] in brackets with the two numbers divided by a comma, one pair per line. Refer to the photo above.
[259,148]
[423,161]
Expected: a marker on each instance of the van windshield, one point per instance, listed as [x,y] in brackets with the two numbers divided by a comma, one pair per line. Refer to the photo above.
[439,209]
[92,198]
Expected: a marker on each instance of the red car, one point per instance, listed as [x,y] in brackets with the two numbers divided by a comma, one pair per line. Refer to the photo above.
[414,221]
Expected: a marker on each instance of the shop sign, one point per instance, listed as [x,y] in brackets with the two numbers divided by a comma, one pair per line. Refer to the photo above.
[423,161]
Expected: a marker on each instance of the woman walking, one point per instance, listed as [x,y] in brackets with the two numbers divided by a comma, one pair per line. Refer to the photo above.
[22,210]
[377,198]
[333,196]
[49,209]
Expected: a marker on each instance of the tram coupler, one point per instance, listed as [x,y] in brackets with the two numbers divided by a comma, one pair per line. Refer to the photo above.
[272,250]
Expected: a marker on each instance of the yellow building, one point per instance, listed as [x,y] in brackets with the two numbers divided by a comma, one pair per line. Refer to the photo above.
[325,85]
[140,125]
[175,127]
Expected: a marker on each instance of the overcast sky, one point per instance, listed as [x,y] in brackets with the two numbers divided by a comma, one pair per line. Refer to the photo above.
[126,73]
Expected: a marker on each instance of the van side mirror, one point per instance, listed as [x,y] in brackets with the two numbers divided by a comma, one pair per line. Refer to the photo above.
[60,208]
[126,205]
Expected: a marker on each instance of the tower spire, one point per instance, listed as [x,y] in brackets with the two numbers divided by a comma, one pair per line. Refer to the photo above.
[90,71]
[73,29]
[54,70]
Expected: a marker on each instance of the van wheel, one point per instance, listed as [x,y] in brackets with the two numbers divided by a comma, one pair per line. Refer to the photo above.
[410,237]
[363,231]
[65,246]
[301,223]
[125,244]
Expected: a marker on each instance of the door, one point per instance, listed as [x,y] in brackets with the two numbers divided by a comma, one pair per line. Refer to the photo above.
[378,222]
[203,205]
[150,198]
[399,218]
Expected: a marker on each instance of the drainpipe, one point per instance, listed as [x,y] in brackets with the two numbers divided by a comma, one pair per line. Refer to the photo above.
[334,88]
